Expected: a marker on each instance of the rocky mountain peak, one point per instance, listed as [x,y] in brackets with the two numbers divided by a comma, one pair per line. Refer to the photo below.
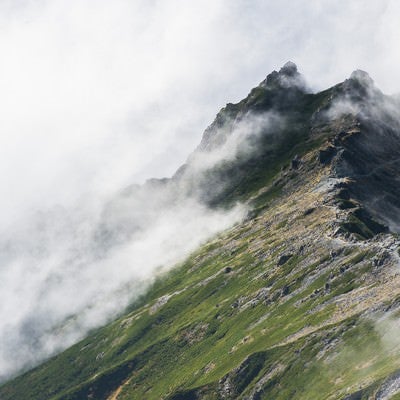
[287,77]
[360,86]
[289,69]
[362,77]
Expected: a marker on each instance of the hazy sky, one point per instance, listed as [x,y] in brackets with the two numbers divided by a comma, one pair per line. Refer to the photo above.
[95,95]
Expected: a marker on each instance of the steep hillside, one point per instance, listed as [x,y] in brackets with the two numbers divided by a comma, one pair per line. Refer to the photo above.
[300,300]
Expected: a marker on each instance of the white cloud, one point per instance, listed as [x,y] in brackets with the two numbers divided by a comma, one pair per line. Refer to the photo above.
[52,295]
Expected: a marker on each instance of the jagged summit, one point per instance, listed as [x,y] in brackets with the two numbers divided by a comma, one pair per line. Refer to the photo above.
[360,87]
[365,140]
[362,77]
[278,91]
[343,108]
[289,69]
[287,77]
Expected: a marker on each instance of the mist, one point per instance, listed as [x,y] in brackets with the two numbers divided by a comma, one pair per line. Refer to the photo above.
[71,269]
[62,280]
[97,98]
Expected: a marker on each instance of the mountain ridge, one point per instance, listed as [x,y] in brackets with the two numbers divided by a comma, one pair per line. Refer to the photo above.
[293,302]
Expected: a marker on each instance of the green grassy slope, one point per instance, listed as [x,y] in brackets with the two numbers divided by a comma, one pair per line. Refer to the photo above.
[277,307]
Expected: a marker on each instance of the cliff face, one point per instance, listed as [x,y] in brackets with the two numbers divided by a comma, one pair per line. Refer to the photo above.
[301,299]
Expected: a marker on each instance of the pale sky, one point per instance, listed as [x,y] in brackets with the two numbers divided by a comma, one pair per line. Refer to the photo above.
[97,94]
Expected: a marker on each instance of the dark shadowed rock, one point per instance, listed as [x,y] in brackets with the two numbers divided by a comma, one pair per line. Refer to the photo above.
[296,161]
[326,155]
[284,259]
